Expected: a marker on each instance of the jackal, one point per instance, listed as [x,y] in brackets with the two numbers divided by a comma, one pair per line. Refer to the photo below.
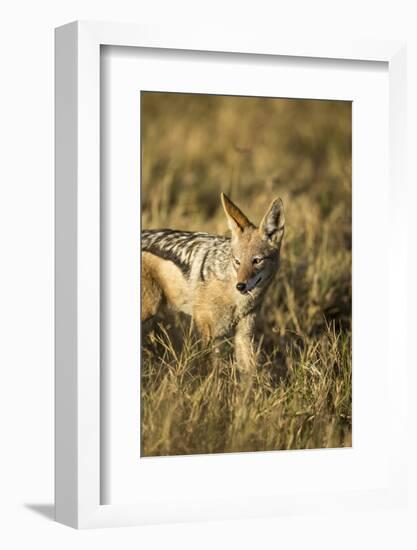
[219,281]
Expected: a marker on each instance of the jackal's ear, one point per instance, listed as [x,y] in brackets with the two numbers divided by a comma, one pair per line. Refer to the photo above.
[236,219]
[272,225]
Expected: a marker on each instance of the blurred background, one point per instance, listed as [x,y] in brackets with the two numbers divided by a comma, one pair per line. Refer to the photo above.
[255,149]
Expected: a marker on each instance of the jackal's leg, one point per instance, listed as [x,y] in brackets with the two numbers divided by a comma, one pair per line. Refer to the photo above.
[245,348]
[204,329]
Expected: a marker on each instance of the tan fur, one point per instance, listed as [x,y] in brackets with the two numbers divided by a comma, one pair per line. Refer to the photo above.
[161,281]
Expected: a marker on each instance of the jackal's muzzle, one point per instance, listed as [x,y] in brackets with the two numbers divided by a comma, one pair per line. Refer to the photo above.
[250,284]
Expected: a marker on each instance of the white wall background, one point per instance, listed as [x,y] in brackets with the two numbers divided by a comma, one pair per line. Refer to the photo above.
[26,269]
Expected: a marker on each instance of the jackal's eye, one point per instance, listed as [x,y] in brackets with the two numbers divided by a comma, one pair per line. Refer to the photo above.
[237,262]
[257,261]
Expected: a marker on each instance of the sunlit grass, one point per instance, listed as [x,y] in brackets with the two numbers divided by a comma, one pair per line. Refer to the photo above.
[254,149]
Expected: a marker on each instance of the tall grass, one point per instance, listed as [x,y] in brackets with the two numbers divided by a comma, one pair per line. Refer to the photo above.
[254,149]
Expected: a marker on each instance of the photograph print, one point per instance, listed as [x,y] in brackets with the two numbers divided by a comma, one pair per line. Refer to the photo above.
[246,274]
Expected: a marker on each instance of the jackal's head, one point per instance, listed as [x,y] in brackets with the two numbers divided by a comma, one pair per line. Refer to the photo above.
[255,250]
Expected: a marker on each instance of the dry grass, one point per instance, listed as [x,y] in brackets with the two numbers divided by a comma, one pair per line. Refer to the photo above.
[193,147]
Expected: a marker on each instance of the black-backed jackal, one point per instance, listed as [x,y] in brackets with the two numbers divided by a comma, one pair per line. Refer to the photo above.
[219,281]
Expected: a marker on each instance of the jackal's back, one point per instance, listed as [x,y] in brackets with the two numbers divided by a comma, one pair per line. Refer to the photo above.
[189,251]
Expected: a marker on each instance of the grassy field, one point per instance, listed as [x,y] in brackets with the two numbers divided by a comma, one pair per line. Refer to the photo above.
[194,147]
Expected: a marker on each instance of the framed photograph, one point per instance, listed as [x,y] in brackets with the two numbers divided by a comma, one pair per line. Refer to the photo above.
[229,331]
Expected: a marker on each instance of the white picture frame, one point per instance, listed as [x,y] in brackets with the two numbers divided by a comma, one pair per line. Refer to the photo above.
[78,426]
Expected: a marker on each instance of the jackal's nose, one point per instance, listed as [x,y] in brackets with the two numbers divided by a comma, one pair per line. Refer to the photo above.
[241,287]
